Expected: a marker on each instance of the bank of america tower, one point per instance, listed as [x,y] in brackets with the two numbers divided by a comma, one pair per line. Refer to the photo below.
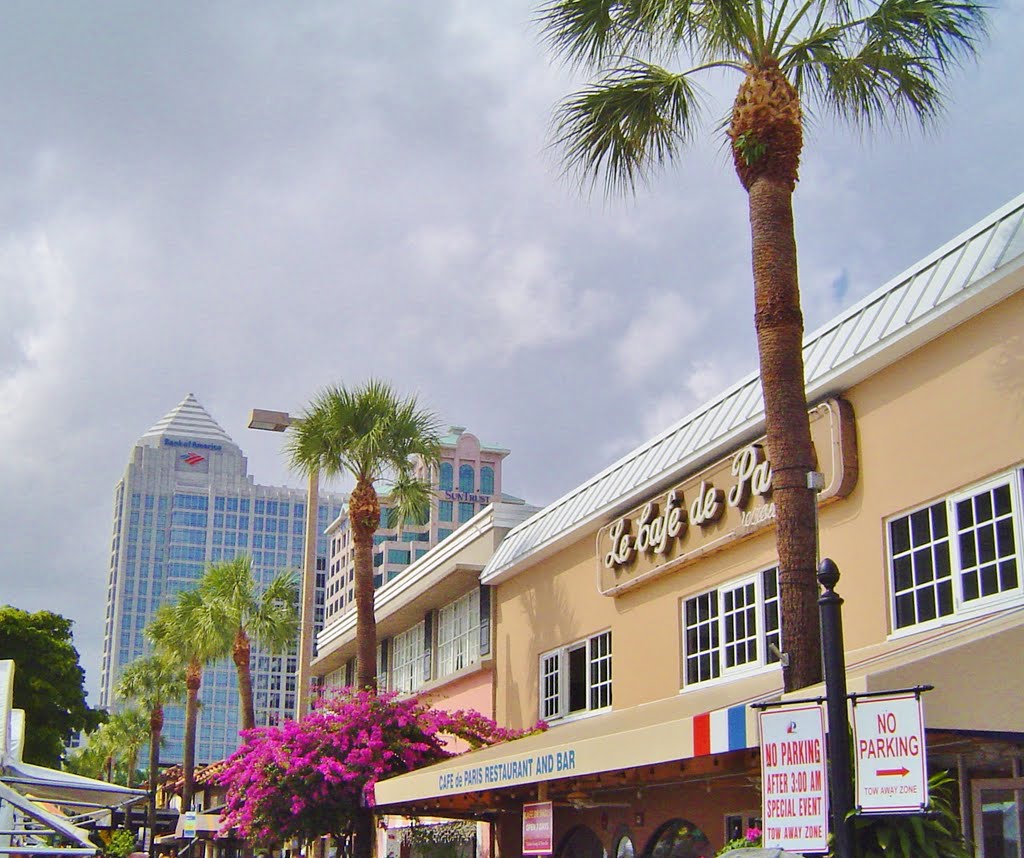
[185,501]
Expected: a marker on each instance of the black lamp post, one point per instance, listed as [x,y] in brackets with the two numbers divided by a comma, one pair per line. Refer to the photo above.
[830,609]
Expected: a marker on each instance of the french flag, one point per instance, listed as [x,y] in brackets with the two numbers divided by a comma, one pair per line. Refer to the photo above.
[722,730]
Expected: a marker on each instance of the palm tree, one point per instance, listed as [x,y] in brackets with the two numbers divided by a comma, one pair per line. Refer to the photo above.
[128,731]
[270,618]
[188,633]
[151,682]
[111,750]
[371,434]
[868,62]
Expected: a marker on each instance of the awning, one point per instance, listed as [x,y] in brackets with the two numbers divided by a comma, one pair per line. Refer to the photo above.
[967,664]
[203,823]
[659,732]
[32,824]
[68,790]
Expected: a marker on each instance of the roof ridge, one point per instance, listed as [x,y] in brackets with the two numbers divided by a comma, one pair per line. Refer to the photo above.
[892,314]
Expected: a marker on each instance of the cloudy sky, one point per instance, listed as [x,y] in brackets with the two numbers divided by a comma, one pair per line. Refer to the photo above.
[251,200]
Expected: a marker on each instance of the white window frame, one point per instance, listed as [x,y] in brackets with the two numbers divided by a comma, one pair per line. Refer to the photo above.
[716,630]
[556,679]
[458,634]
[949,544]
[407,654]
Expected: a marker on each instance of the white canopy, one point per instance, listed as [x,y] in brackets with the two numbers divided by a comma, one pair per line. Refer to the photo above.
[26,827]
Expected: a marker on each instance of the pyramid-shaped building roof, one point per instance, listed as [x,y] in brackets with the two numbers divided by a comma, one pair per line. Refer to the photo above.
[188,419]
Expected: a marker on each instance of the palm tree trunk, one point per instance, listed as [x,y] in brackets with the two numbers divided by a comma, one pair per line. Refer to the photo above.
[779,324]
[156,727]
[767,139]
[364,514]
[241,653]
[193,681]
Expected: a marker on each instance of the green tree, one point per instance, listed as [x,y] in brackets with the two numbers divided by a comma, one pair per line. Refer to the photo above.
[129,732]
[112,750]
[152,682]
[871,62]
[371,434]
[48,681]
[189,633]
[270,618]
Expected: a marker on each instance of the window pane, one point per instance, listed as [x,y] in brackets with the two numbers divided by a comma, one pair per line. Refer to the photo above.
[577,679]
[988,550]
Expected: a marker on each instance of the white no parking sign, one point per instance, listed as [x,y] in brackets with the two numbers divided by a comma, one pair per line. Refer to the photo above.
[889,746]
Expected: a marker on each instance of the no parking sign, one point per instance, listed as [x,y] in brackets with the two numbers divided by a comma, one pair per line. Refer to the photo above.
[889,746]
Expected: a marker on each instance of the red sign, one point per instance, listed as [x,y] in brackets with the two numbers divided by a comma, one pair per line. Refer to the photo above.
[538,828]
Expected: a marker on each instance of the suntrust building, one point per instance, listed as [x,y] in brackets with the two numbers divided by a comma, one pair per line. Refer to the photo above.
[639,616]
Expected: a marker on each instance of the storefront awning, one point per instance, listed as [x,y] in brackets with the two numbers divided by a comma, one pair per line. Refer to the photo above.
[659,732]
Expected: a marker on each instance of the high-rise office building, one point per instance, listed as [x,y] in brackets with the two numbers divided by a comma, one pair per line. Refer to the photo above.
[185,501]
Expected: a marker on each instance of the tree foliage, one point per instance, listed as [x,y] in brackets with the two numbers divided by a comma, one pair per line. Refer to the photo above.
[313,777]
[269,617]
[48,681]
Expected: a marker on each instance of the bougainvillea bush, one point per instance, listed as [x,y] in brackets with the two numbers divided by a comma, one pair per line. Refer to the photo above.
[308,778]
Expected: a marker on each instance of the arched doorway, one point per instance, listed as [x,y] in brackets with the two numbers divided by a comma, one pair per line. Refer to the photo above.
[678,838]
[581,842]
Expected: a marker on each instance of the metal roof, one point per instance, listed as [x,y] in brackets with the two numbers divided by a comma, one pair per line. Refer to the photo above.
[957,281]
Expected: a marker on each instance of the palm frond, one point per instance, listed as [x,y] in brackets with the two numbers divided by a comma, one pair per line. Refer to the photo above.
[152,681]
[367,432]
[889,66]
[274,616]
[876,87]
[594,32]
[633,119]
[409,502]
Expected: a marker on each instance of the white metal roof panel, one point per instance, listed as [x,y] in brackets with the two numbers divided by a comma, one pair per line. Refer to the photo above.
[920,304]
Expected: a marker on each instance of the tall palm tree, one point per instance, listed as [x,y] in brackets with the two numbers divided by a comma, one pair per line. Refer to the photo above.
[372,434]
[151,682]
[270,618]
[188,632]
[867,62]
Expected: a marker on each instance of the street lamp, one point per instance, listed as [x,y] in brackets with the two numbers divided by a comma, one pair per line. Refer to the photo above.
[279,421]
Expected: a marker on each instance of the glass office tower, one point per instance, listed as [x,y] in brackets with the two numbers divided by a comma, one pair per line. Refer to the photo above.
[186,501]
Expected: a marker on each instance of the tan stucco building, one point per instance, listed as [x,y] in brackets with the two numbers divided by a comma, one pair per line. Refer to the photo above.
[638,614]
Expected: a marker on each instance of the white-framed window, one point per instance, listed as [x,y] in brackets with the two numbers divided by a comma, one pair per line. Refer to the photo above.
[733,629]
[576,679]
[407,660]
[958,555]
[458,634]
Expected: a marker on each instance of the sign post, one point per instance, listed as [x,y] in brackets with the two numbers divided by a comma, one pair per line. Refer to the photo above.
[538,828]
[888,735]
[794,779]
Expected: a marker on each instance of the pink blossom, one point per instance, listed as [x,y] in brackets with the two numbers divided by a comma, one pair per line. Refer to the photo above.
[307,778]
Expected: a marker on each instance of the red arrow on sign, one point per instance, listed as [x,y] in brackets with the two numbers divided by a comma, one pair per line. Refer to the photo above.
[893,772]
